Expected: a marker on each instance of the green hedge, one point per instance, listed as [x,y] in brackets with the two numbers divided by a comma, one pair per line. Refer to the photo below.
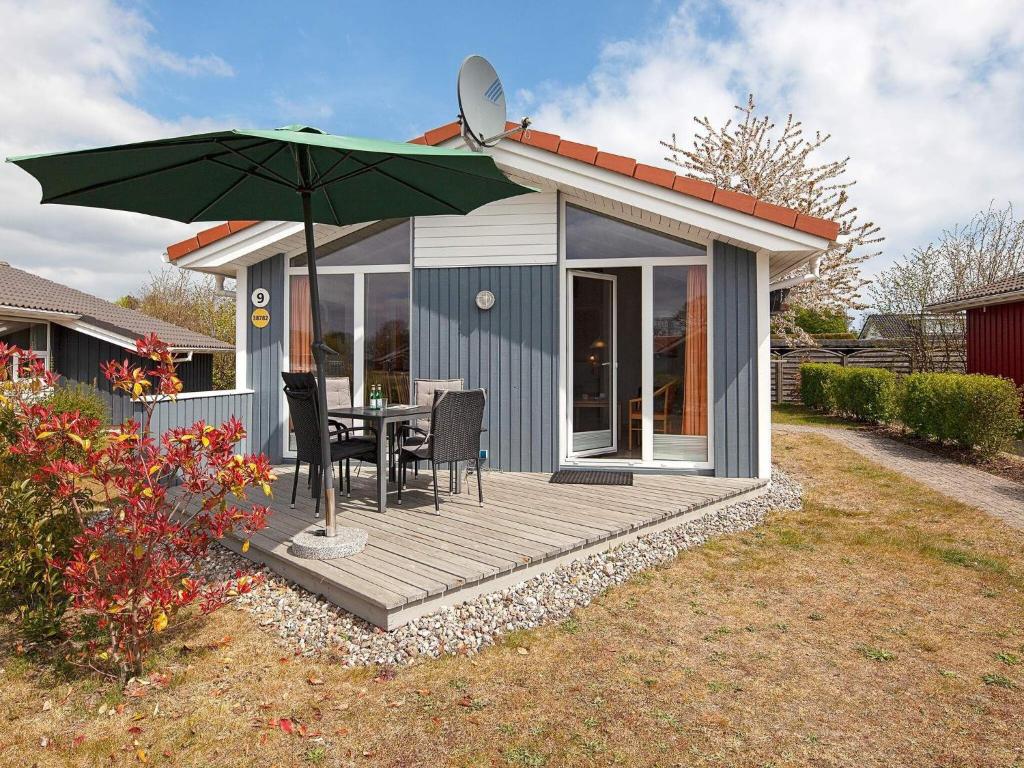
[817,385]
[973,411]
[868,394]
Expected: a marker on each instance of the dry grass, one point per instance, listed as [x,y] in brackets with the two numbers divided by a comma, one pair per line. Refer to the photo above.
[882,625]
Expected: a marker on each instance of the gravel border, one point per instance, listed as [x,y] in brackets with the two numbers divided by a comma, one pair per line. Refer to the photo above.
[309,624]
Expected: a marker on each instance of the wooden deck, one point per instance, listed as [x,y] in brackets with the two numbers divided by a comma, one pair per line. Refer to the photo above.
[416,561]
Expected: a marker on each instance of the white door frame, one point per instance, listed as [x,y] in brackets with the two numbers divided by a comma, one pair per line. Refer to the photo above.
[614,363]
[646,265]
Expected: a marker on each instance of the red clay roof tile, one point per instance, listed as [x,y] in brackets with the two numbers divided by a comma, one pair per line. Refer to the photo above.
[769,212]
[705,190]
[735,200]
[617,163]
[582,152]
[445,132]
[812,225]
[660,176]
[539,139]
[586,153]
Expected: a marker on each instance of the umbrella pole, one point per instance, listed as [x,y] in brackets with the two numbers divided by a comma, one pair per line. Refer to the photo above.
[319,349]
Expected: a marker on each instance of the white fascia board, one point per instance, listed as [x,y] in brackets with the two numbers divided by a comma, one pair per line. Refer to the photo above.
[128,342]
[225,251]
[101,333]
[1010,297]
[36,314]
[725,222]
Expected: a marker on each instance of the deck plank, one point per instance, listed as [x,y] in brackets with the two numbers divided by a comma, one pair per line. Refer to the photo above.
[414,557]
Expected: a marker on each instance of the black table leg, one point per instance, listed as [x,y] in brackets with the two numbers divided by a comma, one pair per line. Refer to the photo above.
[382,468]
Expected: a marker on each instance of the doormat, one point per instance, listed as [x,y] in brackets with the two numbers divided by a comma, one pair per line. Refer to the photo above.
[591,477]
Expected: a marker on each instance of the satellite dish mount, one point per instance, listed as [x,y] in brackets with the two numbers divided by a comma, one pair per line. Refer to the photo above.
[482,105]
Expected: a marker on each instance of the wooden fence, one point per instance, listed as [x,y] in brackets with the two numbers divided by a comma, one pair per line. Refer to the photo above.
[786,367]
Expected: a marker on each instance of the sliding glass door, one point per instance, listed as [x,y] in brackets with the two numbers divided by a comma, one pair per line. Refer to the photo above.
[593,423]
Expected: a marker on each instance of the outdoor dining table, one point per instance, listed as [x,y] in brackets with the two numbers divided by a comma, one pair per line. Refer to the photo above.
[383,420]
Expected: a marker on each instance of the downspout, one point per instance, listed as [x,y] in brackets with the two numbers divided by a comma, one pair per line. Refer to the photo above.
[813,272]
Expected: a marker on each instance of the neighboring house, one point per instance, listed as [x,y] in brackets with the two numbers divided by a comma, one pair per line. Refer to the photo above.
[889,326]
[995,327]
[618,317]
[76,332]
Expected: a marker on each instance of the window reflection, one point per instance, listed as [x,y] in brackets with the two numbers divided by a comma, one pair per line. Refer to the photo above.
[680,363]
[386,334]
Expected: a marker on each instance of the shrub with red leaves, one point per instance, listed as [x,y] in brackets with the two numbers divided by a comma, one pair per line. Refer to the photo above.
[156,506]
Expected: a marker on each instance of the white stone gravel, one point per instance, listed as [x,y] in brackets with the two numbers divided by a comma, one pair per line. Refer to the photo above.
[310,624]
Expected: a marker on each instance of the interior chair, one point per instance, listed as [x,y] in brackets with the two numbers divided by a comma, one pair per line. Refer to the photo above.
[456,421]
[346,443]
[636,418]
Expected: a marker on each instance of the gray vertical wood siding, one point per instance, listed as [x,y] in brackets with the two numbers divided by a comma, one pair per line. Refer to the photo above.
[509,350]
[734,355]
[265,356]
[214,408]
[78,357]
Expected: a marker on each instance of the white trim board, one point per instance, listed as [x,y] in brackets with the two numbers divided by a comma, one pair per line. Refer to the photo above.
[705,220]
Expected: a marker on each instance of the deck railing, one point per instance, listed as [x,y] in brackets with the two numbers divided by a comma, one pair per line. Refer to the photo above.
[213,407]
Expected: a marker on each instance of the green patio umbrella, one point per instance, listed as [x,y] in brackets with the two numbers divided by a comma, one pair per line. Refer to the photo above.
[296,173]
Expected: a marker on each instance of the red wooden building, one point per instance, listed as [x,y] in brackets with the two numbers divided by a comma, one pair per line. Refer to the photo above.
[995,327]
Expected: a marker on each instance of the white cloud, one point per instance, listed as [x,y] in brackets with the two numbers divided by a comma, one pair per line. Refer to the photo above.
[927,99]
[69,72]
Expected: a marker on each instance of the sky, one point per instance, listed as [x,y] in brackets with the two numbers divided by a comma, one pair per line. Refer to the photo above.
[925,97]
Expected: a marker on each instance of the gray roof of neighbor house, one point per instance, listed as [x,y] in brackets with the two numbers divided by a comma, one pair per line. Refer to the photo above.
[889,326]
[22,292]
[1002,291]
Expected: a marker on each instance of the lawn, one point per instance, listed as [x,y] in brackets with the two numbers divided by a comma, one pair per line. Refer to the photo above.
[881,625]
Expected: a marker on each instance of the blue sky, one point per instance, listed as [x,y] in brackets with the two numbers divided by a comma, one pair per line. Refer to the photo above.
[927,105]
[380,69]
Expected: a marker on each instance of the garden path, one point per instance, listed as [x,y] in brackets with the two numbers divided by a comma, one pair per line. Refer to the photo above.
[982,490]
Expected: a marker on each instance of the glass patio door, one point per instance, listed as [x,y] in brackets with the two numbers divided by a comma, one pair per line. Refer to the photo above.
[592,372]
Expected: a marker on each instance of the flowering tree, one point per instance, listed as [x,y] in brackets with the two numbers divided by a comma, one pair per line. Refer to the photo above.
[133,566]
[749,156]
[989,247]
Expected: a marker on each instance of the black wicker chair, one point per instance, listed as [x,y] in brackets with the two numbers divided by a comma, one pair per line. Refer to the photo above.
[423,391]
[346,443]
[456,421]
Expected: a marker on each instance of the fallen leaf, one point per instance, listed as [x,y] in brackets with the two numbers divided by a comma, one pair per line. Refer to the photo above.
[342,731]
[465,701]
[436,720]
[135,729]
[47,705]
[77,741]
[141,754]
[314,681]
[423,692]
[286,725]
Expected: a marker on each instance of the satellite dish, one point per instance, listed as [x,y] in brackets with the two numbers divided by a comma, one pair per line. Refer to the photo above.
[482,104]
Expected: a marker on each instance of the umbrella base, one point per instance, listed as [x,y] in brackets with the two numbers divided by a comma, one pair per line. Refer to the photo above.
[313,544]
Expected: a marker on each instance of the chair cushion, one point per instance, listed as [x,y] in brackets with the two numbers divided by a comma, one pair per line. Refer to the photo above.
[420,452]
[423,391]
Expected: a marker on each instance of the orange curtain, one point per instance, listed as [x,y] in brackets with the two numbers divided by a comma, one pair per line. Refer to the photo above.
[695,358]
[300,357]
